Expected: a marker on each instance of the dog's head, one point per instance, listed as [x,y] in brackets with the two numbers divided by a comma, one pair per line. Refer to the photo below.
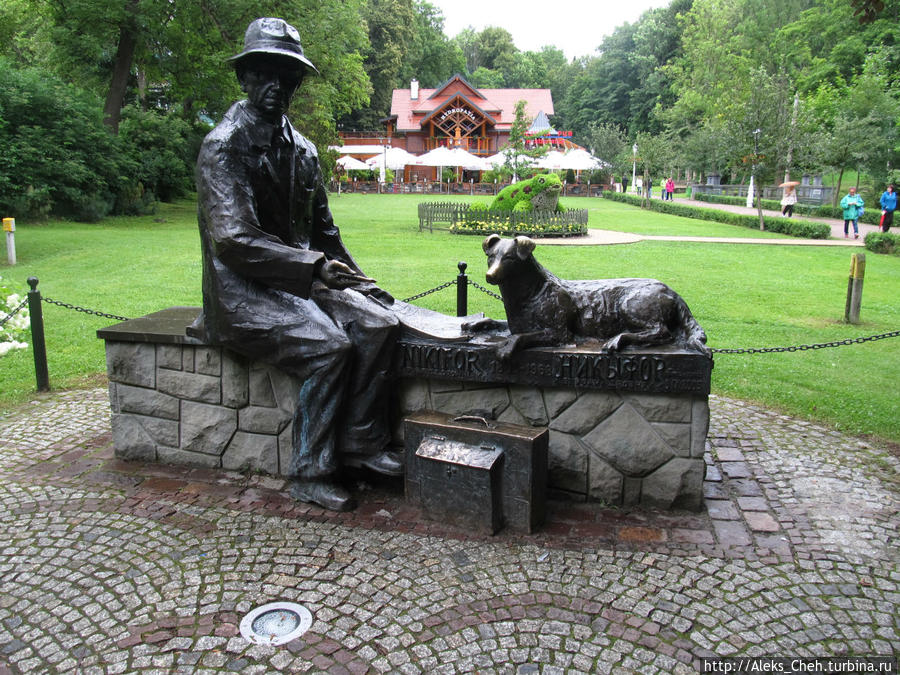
[505,255]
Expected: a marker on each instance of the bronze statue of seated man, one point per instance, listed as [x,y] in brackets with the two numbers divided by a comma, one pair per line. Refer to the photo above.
[279,285]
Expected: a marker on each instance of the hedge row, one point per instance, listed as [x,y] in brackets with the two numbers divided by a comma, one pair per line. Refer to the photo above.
[883,242]
[872,214]
[794,228]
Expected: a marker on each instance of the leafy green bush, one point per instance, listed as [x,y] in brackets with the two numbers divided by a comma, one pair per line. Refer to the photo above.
[14,329]
[883,242]
[794,228]
[160,144]
[58,157]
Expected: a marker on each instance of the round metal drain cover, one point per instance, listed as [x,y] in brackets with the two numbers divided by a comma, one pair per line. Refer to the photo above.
[276,623]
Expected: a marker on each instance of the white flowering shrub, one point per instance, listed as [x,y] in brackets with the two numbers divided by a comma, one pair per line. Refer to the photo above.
[13,331]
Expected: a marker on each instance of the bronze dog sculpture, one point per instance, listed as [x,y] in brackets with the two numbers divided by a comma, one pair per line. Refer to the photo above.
[543,310]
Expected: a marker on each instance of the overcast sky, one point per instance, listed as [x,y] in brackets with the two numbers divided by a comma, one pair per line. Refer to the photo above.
[575,26]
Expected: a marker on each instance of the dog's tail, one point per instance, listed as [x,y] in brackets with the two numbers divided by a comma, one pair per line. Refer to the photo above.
[692,333]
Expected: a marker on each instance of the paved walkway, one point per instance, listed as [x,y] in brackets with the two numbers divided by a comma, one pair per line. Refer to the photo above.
[112,567]
[597,237]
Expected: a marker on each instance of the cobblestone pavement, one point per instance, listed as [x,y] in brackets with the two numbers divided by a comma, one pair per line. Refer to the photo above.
[120,567]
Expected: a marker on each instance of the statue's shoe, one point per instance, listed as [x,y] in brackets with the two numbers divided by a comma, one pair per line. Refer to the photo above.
[326,494]
[385,462]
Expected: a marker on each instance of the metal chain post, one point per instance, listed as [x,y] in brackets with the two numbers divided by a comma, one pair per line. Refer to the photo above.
[462,290]
[38,346]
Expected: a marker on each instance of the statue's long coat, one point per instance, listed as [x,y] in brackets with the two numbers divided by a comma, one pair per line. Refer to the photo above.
[265,230]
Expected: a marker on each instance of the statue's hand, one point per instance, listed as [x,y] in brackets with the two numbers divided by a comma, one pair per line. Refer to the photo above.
[338,275]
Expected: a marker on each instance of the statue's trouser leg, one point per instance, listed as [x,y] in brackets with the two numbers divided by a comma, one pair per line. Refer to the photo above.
[317,415]
[365,421]
[313,349]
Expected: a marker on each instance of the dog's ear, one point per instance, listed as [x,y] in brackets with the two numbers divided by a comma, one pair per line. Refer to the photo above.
[524,246]
[490,241]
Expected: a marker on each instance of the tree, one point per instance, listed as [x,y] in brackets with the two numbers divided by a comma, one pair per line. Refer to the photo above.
[58,157]
[654,153]
[433,58]
[859,122]
[178,59]
[495,47]
[608,143]
[485,78]
[518,157]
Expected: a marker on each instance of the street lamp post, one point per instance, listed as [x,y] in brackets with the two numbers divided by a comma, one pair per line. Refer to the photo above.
[756,133]
[633,167]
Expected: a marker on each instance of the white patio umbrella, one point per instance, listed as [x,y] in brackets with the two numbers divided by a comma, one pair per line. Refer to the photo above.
[391,158]
[351,163]
[553,161]
[444,156]
[577,160]
[501,157]
[581,160]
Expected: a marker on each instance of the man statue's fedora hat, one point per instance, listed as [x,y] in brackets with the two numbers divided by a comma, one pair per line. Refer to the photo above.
[273,36]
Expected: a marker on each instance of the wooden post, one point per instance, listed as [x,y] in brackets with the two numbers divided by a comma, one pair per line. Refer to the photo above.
[855,287]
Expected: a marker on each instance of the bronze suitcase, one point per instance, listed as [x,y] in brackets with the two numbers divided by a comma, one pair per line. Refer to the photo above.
[521,467]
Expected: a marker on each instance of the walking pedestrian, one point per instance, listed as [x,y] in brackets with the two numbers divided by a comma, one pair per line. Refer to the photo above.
[852,204]
[888,203]
[789,199]
[670,189]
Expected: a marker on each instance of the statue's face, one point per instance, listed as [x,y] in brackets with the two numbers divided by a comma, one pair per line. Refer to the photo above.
[270,84]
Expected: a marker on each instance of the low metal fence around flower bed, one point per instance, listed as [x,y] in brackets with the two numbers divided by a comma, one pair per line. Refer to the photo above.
[462,219]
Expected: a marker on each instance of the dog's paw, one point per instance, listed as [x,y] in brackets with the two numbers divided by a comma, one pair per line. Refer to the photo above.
[481,325]
[507,349]
[613,344]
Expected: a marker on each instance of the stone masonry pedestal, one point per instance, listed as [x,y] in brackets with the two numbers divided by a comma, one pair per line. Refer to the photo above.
[625,429]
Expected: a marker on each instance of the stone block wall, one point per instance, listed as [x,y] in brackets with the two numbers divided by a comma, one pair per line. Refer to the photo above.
[199,405]
[620,448]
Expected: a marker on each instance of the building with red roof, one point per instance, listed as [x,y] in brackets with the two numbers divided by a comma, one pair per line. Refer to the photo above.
[455,114]
[458,114]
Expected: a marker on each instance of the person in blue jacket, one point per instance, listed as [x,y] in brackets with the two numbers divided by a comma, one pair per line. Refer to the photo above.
[852,205]
[888,203]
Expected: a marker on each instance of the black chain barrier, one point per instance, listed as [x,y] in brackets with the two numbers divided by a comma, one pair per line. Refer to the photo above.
[433,290]
[9,316]
[803,348]
[84,310]
[484,290]
[761,350]
[448,285]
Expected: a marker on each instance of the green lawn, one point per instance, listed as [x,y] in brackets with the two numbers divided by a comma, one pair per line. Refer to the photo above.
[744,296]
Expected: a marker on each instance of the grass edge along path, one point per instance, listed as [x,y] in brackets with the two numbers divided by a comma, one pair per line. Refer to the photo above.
[744,296]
